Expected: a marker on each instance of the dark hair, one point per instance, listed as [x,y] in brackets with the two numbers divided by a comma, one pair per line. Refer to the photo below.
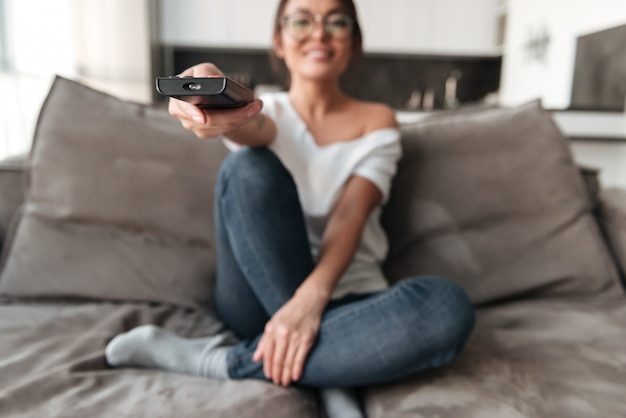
[357,38]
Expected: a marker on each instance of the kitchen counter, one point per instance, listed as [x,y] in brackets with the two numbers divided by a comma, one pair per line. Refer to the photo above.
[592,126]
[597,139]
[575,125]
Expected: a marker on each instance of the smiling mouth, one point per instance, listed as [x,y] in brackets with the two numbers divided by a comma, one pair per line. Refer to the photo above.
[319,54]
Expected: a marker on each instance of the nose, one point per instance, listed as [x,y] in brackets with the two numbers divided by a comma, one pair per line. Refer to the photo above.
[319,31]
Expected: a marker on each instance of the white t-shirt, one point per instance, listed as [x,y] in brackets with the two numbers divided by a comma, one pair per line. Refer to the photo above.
[320,173]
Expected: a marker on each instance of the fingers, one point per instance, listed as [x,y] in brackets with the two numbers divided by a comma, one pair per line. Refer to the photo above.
[298,362]
[280,351]
[186,112]
[268,357]
[284,355]
[259,352]
[287,372]
[223,117]
[211,123]
[205,69]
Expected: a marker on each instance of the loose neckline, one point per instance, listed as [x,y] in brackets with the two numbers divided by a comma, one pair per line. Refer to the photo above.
[312,139]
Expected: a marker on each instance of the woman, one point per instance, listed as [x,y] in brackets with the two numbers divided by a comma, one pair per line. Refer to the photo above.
[298,232]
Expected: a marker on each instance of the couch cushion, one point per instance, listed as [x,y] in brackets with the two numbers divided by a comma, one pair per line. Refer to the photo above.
[492,199]
[53,366]
[119,204]
[12,173]
[539,358]
[612,216]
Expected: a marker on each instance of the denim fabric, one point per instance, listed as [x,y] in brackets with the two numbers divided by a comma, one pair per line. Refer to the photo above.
[264,255]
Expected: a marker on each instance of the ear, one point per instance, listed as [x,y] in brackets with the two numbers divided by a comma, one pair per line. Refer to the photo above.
[278,47]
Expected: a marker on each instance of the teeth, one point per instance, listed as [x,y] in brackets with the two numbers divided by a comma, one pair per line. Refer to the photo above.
[319,54]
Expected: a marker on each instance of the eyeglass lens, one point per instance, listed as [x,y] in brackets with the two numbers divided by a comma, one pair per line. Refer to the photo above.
[301,25]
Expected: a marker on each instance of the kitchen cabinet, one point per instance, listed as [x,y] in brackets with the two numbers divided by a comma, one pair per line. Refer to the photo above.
[466,27]
[217,23]
[437,27]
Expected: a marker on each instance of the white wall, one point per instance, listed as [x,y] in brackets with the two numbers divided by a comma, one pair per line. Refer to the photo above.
[564,20]
[524,79]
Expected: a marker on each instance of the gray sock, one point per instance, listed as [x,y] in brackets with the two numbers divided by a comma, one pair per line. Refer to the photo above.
[152,347]
[341,403]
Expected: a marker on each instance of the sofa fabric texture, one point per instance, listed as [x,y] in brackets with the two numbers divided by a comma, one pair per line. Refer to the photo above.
[53,366]
[492,199]
[612,216]
[119,205]
[11,192]
[527,359]
[114,230]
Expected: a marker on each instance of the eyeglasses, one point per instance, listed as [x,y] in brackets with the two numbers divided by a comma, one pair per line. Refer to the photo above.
[301,25]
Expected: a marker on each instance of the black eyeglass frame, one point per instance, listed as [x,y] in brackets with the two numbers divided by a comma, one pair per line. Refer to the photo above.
[318,18]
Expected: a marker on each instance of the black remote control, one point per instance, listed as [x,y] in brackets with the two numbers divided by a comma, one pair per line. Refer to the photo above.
[206,92]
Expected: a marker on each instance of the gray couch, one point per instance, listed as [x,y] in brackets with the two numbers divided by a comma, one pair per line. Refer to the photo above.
[107,225]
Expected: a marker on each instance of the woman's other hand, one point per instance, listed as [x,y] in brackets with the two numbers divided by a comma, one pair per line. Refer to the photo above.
[207,123]
[289,336]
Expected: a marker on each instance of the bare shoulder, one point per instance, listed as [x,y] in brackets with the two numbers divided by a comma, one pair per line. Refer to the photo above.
[377,116]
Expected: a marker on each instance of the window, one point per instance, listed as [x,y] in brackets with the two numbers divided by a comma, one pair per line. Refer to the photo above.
[3,25]
[35,43]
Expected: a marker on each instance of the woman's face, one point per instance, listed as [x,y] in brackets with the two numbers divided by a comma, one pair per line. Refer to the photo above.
[315,40]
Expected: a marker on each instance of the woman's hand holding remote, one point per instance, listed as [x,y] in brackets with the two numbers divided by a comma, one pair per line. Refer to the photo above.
[245,125]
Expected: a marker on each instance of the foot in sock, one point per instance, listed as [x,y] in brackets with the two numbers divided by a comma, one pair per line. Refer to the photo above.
[341,403]
[148,346]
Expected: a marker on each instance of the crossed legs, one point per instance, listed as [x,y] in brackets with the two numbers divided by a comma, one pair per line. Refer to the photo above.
[264,255]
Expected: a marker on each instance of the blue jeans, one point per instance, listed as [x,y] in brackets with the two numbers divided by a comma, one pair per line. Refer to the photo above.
[263,257]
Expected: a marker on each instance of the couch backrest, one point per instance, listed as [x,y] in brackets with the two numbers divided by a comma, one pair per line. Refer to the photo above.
[493,199]
[117,209]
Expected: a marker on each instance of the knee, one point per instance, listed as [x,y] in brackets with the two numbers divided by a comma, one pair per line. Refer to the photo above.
[253,172]
[449,308]
[250,165]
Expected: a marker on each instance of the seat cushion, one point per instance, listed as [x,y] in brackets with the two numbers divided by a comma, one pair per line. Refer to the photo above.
[557,359]
[492,199]
[119,204]
[53,365]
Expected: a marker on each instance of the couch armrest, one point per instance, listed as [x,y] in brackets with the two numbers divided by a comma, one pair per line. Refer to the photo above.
[12,181]
[611,214]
